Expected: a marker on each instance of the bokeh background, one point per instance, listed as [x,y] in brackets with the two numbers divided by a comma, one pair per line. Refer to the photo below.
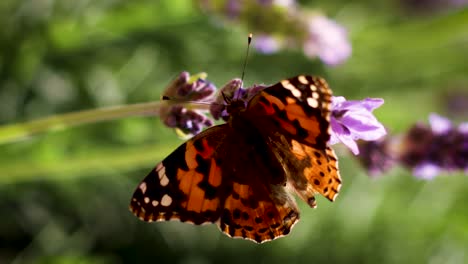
[64,195]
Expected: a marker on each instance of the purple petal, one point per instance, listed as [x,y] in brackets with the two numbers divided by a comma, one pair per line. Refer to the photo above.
[365,127]
[266,44]
[368,104]
[343,135]
[337,100]
[350,143]
[353,120]
[439,125]
[372,103]
[426,171]
[463,128]
[328,40]
[337,130]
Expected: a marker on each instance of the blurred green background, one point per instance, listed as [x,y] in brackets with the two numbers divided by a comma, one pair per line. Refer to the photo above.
[64,195]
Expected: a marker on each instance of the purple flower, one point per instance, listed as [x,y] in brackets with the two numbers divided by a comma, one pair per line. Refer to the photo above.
[183,88]
[442,147]
[187,121]
[353,120]
[439,125]
[328,40]
[266,44]
[450,145]
[377,156]
[181,91]
[233,8]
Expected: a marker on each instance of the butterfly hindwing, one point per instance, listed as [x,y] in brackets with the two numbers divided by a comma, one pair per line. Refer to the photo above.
[258,206]
[316,171]
[255,219]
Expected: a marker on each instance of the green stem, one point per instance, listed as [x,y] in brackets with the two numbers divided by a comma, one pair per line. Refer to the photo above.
[15,132]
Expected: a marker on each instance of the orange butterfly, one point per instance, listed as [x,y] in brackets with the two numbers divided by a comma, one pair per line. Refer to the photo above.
[240,175]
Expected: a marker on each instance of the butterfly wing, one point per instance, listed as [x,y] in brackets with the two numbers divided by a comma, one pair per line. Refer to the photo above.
[248,215]
[295,117]
[310,170]
[218,176]
[299,107]
[238,174]
[185,186]
[258,207]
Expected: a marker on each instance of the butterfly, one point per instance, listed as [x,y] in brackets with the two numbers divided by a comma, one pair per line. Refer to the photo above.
[241,175]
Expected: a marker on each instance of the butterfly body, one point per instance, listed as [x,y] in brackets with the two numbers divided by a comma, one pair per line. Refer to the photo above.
[241,175]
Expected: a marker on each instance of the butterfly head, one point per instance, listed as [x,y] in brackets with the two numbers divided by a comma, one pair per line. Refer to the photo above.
[235,106]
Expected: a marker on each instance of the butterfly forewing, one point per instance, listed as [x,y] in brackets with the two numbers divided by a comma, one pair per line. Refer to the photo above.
[299,107]
[187,185]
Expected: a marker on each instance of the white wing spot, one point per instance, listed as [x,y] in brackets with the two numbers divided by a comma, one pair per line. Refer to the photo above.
[312,102]
[155,203]
[163,179]
[166,200]
[287,85]
[315,95]
[143,187]
[302,79]
[313,88]
[146,200]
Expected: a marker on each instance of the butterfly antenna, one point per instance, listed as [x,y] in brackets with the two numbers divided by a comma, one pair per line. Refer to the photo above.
[249,40]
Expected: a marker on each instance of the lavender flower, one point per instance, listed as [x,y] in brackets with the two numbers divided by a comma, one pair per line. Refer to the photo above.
[188,121]
[352,120]
[442,147]
[283,24]
[376,156]
[186,88]
[233,8]
[266,44]
[327,40]
[182,90]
